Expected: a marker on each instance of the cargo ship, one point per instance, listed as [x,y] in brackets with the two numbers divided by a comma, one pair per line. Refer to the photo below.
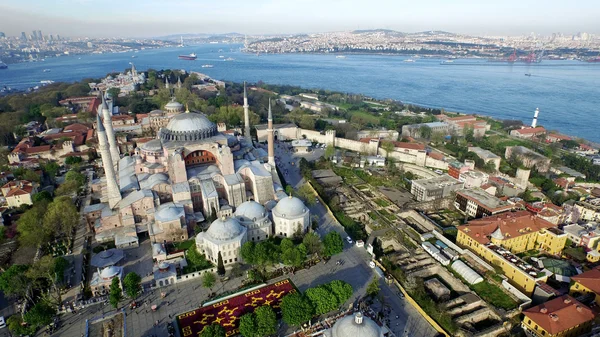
[190,57]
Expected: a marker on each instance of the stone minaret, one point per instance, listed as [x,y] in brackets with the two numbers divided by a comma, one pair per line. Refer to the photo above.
[179,82]
[270,139]
[114,195]
[167,82]
[246,115]
[110,133]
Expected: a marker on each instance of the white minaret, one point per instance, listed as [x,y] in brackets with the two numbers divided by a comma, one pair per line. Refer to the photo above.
[270,138]
[167,82]
[246,115]
[110,133]
[114,195]
[179,82]
[535,116]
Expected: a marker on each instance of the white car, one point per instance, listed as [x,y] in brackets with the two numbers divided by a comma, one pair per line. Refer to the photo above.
[372,264]
[349,240]
[2,322]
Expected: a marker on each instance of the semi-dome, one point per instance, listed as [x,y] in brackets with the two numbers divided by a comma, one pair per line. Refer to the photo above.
[152,146]
[250,210]
[188,127]
[356,326]
[109,272]
[224,229]
[290,207]
[174,106]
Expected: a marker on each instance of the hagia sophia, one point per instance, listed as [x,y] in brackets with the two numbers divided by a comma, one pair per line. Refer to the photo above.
[194,170]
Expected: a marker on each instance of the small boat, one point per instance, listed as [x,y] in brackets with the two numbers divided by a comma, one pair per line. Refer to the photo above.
[190,57]
[46,70]
[221,56]
[46,82]
[229,59]
[340,57]
[446,61]
[133,56]
[528,74]
[409,60]
[207,66]
[3,65]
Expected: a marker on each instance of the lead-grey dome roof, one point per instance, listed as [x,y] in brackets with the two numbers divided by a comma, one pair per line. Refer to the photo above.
[356,326]
[225,229]
[153,146]
[250,211]
[174,106]
[188,127]
[290,207]
[109,272]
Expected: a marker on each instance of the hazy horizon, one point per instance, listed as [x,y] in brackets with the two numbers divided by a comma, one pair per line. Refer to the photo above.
[153,18]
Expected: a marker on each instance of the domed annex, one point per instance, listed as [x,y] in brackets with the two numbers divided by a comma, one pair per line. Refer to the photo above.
[225,235]
[173,106]
[355,326]
[152,146]
[290,216]
[188,127]
[255,218]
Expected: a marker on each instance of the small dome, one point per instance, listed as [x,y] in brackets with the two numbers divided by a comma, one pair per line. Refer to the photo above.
[174,106]
[170,213]
[109,272]
[225,229]
[163,265]
[290,207]
[154,145]
[250,210]
[356,326]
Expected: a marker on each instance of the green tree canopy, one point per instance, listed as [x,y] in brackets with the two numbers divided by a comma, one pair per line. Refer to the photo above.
[322,300]
[373,287]
[41,314]
[213,330]
[115,293]
[333,243]
[220,265]
[208,279]
[62,217]
[342,290]
[248,326]
[14,282]
[247,252]
[73,175]
[31,228]
[313,243]
[295,309]
[44,196]
[51,168]
[132,284]
[266,321]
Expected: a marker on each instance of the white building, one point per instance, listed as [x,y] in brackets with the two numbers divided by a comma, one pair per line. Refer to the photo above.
[225,235]
[290,216]
[254,217]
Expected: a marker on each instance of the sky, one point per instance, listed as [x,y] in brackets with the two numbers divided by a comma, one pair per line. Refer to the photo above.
[150,18]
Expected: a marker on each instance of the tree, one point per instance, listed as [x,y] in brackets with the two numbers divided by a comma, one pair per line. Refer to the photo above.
[195,258]
[342,290]
[373,287]
[322,300]
[114,92]
[39,315]
[14,282]
[313,243]
[208,280]
[295,309]
[43,196]
[424,131]
[388,146]
[248,326]
[220,265]
[329,151]
[115,294]
[75,176]
[62,217]
[17,327]
[469,134]
[72,160]
[213,330]
[31,228]
[132,284]
[67,188]
[266,321]
[247,252]
[333,243]
[51,168]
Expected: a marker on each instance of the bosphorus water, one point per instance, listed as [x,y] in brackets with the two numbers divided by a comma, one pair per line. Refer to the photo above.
[567,92]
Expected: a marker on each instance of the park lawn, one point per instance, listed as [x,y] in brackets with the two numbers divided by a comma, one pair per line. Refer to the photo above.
[184,245]
[365,116]
[381,202]
[577,253]
[494,295]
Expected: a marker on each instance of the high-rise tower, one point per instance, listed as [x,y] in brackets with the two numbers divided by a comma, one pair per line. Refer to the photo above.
[246,116]
[110,133]
[271,137]
[114,194]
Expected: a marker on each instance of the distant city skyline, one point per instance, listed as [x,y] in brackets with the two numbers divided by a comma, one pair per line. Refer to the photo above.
[151,18]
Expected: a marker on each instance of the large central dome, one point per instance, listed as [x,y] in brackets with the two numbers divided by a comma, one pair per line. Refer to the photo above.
[188,127]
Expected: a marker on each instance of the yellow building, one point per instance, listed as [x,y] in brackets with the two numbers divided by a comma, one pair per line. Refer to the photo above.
[19,192]
[587,283]
[563,316]
[497,238]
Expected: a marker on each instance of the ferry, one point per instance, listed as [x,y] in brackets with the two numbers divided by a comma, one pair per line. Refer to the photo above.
[409,60]
[190,57]
[207,66]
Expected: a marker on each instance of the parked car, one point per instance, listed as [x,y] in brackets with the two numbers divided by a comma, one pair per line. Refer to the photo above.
[349,240]
[2,322]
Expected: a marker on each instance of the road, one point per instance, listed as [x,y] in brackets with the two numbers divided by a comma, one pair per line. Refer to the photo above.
[355,269]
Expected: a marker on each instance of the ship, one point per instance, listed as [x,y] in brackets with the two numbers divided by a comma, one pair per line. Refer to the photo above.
[446,62]
[594,60]
[409,60]
[229,59]
[3,65]
[190,57]
[46,70]
[340,57]
[207,66]
[528,74]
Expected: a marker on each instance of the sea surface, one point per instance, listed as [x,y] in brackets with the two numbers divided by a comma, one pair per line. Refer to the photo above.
[566,92]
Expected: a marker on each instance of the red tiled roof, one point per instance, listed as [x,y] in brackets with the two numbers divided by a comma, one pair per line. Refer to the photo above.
[409,146]
[558,136]
[38,149]
[589,279]
[559,314]
[366,140]
[525,131]
[509,224]
[19,191]
[76,127]
[462,118]
[436,155]
[548,289]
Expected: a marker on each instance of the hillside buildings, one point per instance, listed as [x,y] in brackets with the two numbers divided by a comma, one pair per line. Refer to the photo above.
[561,316]
[529,158]
[477,203]
[528,133]
[434,188]
[486,155]
[587,283]
[19,192]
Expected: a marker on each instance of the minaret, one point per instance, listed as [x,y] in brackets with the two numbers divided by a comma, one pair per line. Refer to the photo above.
[110,133]
[270,139]
[167,82]
[535,116]
[114,195]
[246,115]
[179,82]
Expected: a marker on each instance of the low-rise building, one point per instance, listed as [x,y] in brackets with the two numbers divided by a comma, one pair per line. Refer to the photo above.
[473,179]
[477,203]
[528,132]
[528,157]
[19,192]
[587,283]
[456,168]
[434,188]
[377,161]
[414,130]
[486,155]
[585,235]
[381,134]
[301,145]
[556,137]
[563,316]
[589,209]
[498,238]
[102,279]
